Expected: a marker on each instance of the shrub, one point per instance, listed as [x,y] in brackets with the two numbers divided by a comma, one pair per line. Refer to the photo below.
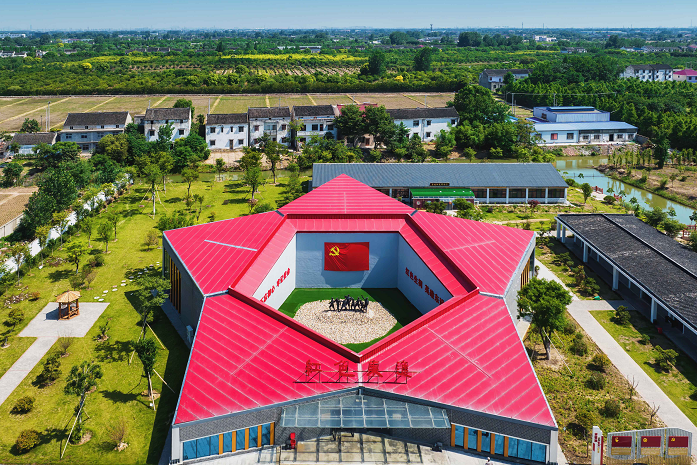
[600,361]
[591,286]
[579,345]
[597,381]
[15,317]
[622,316]
[665,358]
[569,327]
[586,419]
[97,260]
[609,199]
[612,408]
[27,440]
[663,183]
[570,182]
[51,370]
[23,405]
[645,339]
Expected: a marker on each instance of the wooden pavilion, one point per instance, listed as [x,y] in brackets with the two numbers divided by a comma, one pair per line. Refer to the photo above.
[68,305]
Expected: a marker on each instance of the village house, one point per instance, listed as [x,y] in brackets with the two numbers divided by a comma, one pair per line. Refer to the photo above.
[155,118]
[87,129]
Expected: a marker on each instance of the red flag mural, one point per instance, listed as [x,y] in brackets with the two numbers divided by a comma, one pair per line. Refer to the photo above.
[650,441]
[678,441]
[346,256]
[621,441]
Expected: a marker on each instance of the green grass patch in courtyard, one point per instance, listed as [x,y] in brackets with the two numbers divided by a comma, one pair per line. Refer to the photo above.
[392,299]
[680,384]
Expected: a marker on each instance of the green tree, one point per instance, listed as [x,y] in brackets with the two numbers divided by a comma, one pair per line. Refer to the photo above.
[189,175]
[75,252]
[587,190]
[665,358]
[87,226]
[114,146]
[436,207]
[151,174]
[469,39]
[253,179]
[19,251]
[293,188]
[30,125]
[377,63]
[693,241]
[147,353]
[672,227]
[423,59]
[60,221]
[273,151]
[12,173]
[469,153]
[655,217]
[476,104]
[104,230]
[545,303]
[42,234]
[81,379]
[220,166]
[415,149]
[350,123]
[378,123]
[185,103]
[113,219]
[445,143]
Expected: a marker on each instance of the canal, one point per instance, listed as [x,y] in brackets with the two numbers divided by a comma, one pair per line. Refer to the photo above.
[575,166]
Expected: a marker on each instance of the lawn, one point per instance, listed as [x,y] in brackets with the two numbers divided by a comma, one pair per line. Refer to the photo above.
[10,114]
[680,384]
[331,99]
[433,100]
[564,381]
[118,395]
[388,100]
[392,299]
[547,252]
[289,100]
[135,105]
[240,104]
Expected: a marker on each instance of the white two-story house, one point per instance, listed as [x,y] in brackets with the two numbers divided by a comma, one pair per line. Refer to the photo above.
[492,79]
[27,141]
[155,118]
[318,120]
[426,122]
[275,122]
[227,131]
[87,129]
[648,72]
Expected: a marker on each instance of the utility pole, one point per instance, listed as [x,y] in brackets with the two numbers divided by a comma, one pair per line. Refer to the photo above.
[209,106]
[48,116]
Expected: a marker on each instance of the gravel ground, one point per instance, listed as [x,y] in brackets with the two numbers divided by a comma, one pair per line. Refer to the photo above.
[346,327]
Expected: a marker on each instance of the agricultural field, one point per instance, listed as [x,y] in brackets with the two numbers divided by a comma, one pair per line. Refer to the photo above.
[13,111]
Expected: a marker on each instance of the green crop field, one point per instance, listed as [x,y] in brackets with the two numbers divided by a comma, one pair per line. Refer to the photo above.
[392,299]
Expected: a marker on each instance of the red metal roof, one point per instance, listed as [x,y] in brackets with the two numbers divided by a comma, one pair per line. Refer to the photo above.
[345,195]
[216,253]
[466,351]
[487,253]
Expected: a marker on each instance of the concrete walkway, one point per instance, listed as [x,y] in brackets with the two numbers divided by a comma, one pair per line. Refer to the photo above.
[21,368]
[47,328]
[671,415]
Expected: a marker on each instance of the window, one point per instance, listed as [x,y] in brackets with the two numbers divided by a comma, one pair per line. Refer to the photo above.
[555,193]
[428,122]
[83,136]
[315,127]
[620,136]
[415,123]
[512,447]
[227,442]
[330,127]
[554,136]
[569,136]
[486,442]
[68,136]
[266,434]
[85,147]
[270,126]
[596,136]
[71,127]
[253,437]
[239,442]
[586,137]
[539,452]
[498,444]
[211,143]
[472,439]
[212,130]
[479,193]
[321,127]
[240,141]
[497,193]
[516,193]
[284,140]
[102,126]
[453,122]
[428,134]
[87,127]
[283,127]
[117,126]
[459,436]
[181,132]
[240,128]
[152,133]
[256,127]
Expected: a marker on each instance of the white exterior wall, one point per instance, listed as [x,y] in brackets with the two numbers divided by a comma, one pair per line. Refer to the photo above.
[437,124]
[281,291]
[382,264]
[224,133]
[417,295]
[176,124]
[546,137]
[324,121]
[259,131]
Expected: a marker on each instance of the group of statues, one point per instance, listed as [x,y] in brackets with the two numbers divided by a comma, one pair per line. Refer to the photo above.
[349,303]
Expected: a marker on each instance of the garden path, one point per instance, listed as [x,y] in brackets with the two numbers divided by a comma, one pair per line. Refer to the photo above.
[46,328]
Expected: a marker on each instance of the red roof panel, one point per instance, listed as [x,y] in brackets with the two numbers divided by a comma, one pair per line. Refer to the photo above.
[488,254]
[345,195]
[216,253]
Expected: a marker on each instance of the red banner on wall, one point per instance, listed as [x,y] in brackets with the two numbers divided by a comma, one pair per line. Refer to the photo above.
[678,441]
[650,441]
[346,256]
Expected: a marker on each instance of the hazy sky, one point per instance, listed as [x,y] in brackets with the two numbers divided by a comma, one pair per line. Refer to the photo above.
[158,14]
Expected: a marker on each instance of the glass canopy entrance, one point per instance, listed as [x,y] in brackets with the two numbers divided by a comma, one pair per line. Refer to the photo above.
[360,411]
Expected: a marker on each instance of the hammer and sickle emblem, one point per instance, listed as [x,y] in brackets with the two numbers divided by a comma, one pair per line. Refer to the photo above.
[334,252]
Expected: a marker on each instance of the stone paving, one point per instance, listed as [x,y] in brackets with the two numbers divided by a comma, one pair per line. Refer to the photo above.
[46,328]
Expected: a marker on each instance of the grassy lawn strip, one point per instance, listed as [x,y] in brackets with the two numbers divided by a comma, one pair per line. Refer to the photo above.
[119,393]
[569,393]
[392,299]
[680,384]
[547,253]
